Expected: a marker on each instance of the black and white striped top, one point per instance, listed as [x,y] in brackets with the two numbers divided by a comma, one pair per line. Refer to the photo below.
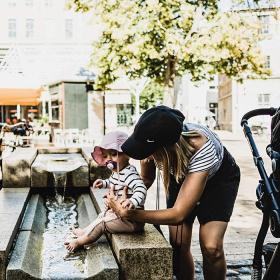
[128,177]
[210,156]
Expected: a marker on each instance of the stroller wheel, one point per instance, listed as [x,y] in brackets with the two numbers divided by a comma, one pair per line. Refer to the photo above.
[275,224]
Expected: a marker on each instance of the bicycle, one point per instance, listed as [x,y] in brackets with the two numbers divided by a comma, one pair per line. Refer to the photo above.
[268,197]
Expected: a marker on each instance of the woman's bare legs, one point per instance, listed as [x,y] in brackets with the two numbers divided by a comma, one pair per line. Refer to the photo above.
[180,240]
[211,236]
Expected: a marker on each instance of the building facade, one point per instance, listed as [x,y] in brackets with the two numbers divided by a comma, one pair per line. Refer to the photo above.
[198,101]
[235,99]
[44,43]
[40,42]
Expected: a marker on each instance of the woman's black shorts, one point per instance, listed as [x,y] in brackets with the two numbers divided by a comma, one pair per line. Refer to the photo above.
[217,200]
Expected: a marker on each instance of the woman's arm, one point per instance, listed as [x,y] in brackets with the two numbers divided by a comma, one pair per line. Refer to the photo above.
[189,194]
[148,171]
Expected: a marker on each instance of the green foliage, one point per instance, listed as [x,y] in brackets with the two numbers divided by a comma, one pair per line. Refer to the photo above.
[164,39]
[151,95]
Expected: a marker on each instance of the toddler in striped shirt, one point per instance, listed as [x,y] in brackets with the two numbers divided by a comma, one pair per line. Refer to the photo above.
[124,175]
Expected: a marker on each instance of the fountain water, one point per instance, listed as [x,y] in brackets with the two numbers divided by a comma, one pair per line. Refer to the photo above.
[59,166]
[60,215]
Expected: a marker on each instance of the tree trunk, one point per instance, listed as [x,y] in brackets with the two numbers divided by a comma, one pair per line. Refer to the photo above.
[168,96]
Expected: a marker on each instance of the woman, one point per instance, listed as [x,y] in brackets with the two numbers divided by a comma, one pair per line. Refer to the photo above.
[201,180]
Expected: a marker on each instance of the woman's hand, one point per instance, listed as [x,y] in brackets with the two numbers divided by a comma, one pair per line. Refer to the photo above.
[115,204]
[127,204]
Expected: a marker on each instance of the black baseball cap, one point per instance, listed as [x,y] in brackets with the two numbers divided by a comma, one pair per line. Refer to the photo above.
[158,127]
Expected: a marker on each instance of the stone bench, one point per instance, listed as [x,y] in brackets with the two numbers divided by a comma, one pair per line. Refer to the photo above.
[12,205]
[142,256]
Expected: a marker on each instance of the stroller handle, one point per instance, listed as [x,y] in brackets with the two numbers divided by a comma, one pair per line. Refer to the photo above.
[263,111]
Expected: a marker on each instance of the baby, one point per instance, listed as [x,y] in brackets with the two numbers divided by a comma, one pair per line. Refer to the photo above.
[109,154]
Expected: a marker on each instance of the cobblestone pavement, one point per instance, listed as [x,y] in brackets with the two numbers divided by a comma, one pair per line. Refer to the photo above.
[246,219]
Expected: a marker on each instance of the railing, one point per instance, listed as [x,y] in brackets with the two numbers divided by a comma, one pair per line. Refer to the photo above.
[72,137]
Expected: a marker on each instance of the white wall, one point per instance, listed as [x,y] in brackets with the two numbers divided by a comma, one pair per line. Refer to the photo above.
[192,99]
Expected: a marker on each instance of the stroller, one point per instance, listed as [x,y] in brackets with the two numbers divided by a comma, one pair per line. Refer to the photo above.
[268,197]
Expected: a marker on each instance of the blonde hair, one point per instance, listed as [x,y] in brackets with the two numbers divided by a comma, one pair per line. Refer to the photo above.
[174,159]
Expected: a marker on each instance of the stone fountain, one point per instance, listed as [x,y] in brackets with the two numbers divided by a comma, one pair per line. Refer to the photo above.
[47,190]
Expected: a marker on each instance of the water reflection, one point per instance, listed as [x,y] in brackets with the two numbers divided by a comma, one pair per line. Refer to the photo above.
[56,264]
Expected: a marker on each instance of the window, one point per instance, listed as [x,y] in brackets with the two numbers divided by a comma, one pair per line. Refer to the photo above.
[264,99]
[264,24]
[29,25]
[55,110]
[12,28]
[29,3]
[68,28]
[124,114]
[267,62]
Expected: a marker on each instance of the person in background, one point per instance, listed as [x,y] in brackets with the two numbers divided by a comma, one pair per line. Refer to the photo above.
[201,179]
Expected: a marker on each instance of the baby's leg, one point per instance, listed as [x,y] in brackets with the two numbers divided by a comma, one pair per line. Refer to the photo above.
[78,231]
[114,224]
[88,229]
[86,238]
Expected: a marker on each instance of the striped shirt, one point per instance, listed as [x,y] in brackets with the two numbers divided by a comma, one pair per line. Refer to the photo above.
[128,177]
[210,156]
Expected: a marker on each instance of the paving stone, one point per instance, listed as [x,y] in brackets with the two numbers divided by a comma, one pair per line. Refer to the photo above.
[231,272]
[244,270]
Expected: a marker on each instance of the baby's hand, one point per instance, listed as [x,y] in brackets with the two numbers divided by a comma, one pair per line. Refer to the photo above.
[98,183]
[127,204]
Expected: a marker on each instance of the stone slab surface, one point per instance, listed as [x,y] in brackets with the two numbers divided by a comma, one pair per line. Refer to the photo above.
[141,256]
[40,177]
[12,205]
[16,168]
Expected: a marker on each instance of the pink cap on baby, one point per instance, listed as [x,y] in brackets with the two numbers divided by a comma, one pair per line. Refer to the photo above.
[111,141]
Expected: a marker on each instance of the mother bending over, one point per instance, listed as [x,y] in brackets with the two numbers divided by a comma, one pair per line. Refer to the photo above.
[201,180]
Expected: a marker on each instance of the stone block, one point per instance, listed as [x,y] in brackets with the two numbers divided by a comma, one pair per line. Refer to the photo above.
[142,256]
[16,168]
[40,177]
[12,205]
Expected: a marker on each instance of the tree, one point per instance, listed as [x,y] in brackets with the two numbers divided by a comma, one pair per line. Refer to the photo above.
[164,39]
[151,95]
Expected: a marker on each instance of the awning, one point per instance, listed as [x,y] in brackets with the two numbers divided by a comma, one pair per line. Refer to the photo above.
[19,96]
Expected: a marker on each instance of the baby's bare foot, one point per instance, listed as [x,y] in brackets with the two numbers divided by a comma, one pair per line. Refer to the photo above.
[72,245]
[78,231]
